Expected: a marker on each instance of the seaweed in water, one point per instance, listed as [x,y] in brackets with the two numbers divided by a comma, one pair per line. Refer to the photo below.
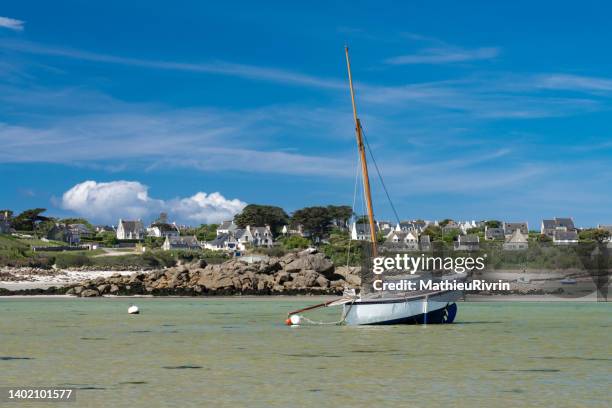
[530,370]
[312,355]
[9,358]
[94,338]
[182,367]
[573,358]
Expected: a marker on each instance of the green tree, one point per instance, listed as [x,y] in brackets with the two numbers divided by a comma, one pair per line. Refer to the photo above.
[543,238]
[295,242]
[315,220]
[476,230]
[594,234]
[493,224]
[340,214]
[362,219]
[44,228]
[445,222]
[451,235]
[206,232]
[7,212]
[260,215]
[27,220]
[83,221]
[109,238]
[434,232]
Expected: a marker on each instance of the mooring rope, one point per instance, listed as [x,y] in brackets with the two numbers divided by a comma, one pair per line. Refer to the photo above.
[321,323]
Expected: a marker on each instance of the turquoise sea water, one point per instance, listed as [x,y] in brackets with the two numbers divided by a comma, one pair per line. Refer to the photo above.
[237,352]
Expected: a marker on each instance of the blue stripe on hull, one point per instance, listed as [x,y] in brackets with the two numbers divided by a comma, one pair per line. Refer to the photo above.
[440,316]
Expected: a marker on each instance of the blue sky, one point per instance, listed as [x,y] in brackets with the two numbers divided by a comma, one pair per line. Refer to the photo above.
[473,110]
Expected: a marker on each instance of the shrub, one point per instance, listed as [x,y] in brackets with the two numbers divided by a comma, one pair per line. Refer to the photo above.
[71,260]
[295,242]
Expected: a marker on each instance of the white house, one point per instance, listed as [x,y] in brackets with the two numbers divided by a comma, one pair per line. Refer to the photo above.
[226,227]
[261,236]
[510,227]
[239,238]
[561,237]
[548,227]
[159,230]
[494,233]
[225,242]
[469,242]
[466,225]
[405,240]
[130,229]
[360,232]
[5,225]
[177,242]
[516,242]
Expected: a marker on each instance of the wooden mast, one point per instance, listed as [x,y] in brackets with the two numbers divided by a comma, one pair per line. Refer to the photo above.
[362,154]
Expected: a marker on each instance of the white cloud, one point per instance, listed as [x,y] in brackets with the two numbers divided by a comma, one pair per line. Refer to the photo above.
[205,208]
[574,83]
[445,56]
[109,201]
[268,74]
[11,23]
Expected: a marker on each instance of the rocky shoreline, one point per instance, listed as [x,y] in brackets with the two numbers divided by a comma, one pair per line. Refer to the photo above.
[303,273]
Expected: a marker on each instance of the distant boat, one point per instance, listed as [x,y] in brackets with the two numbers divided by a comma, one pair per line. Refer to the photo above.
[568,281]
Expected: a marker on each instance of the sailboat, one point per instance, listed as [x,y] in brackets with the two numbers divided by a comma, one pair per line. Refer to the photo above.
[380,307]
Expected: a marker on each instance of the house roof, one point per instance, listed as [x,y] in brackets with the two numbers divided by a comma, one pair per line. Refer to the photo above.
[164,226]
[494,232]
[220,240]
[132,226]
[260,230]
[515,225]
[468,239]
[226,225]
[362,228]
[517,237]
[559,222]
[565,222]
[565,236]
[401,235]
[189,240]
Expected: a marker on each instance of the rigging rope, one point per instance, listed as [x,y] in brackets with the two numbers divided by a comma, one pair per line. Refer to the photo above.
[348,251]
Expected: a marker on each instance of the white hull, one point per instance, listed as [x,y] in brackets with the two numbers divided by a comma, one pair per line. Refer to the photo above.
[399,310]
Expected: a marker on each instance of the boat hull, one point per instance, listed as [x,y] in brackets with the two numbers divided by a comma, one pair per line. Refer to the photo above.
[432,308]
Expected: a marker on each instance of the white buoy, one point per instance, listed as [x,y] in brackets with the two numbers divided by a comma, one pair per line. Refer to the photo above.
[295,320]
[133,310]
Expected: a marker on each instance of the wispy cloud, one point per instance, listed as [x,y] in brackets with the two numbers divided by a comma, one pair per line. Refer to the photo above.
[255,72]
[11,23]
[574,83]
[445,55]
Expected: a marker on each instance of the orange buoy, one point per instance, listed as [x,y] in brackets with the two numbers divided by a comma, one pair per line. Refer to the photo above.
[288,322]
